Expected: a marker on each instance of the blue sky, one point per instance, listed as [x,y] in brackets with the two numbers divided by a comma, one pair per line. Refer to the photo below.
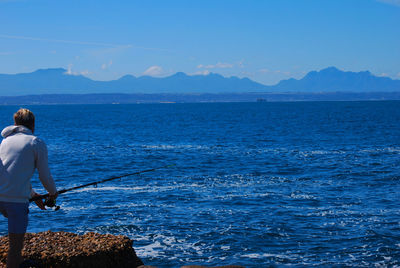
[265,40]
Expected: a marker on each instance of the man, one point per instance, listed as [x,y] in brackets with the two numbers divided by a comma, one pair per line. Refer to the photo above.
[21,153]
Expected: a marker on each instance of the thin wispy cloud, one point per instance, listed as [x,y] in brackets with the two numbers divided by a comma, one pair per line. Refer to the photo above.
[74,42]
[264,71]
[3,36]
[268,71]
[154,71]
[391,2]
[204,72]
[219,65]
[106,65]
[71,72]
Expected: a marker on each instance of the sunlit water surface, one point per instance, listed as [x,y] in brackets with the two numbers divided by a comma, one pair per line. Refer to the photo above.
[254,184]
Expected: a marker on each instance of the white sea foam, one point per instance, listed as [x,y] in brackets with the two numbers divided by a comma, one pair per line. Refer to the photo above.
[379,150]
[162,244]
[175,146]
[111,188]
[267,255]
[149,250]
[319,152]
[301,196]
[68,208]
[149,189]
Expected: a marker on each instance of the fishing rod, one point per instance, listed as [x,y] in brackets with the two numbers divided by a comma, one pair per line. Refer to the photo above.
[51,203]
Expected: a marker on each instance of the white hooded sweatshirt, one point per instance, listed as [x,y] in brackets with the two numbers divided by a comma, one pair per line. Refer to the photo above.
[20,153]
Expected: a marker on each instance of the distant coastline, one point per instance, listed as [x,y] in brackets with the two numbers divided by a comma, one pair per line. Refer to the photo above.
[56,86]
[329,83]
[115,98]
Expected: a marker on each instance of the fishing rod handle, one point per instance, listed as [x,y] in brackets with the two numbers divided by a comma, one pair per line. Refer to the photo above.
[38,197]
[44,196]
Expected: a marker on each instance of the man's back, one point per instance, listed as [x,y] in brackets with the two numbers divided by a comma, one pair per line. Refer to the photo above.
[20,154]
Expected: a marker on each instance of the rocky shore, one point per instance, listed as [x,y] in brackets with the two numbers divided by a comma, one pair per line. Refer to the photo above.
[62,249]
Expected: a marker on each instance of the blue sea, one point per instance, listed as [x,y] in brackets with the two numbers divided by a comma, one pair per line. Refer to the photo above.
[254,184]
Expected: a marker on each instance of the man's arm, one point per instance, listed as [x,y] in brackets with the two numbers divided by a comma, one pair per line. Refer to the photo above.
[41,163]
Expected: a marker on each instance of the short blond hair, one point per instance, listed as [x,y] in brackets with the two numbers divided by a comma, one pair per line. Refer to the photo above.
[24,117]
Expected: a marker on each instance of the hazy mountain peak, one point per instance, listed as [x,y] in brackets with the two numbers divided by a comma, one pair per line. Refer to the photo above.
[127,77]
[179,74]
[332,79]
[366,73]
[211,74]
[330,69]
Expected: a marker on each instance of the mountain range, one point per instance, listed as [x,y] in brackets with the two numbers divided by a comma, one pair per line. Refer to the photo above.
[58,81]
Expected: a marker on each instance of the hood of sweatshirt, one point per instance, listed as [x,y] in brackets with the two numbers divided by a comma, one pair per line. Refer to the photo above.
[11,130]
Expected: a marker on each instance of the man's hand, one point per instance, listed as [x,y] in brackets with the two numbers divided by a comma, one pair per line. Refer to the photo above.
[53,197]
[39,202]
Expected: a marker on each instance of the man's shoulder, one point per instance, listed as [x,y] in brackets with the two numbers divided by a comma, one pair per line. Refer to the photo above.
[37,141]
[38,145]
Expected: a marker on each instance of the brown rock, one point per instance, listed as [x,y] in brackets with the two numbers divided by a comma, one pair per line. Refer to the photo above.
[61,249]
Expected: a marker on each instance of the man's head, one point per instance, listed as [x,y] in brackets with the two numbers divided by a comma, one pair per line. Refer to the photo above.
[24,117]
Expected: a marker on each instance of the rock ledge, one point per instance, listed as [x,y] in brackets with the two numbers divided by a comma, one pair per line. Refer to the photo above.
[62,249]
